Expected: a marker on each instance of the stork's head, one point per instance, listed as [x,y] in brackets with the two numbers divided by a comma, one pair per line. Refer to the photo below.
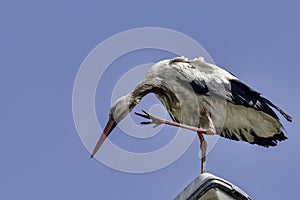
[120,108]
[117,113]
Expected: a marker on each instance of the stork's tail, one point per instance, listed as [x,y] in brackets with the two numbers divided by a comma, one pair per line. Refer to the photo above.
[286,116]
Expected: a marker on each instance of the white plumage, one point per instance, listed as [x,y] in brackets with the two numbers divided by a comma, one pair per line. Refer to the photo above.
[196,85]
[190,88]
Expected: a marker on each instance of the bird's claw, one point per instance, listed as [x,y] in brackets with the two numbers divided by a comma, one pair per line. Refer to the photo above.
[145,115]
[154,120]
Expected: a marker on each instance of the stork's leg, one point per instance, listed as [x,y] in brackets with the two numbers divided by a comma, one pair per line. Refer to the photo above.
[200,131]
[158,121]
[203,146]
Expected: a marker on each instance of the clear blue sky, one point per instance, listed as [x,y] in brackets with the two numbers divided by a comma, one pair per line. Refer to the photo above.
[42,44]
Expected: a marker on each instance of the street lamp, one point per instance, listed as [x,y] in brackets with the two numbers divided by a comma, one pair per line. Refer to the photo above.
[210,187]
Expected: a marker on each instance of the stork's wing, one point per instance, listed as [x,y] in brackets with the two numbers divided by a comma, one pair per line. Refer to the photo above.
[241,94]
[238,93]
[208,79]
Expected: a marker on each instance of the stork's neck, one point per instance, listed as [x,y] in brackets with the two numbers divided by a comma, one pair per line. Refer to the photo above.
[158,87]
[142,89]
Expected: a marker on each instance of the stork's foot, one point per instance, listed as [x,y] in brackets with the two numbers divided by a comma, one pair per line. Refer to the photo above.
[158,121]
[154,119]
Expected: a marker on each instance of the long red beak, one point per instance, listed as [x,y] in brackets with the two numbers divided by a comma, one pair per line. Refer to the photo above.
[111,124]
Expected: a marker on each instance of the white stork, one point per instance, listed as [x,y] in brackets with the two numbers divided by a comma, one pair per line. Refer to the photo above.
[202,97]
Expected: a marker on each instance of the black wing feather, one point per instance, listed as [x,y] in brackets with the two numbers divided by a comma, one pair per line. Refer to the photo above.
[241,94]
[261,141]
